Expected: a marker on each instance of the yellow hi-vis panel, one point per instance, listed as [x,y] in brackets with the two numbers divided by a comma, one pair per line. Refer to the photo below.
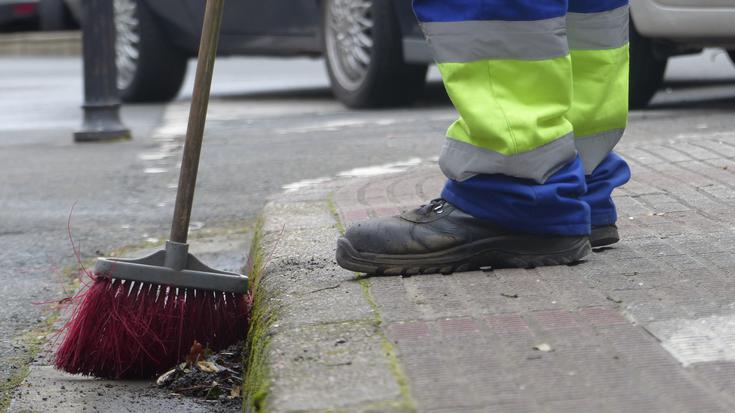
[600,91]
[510,106]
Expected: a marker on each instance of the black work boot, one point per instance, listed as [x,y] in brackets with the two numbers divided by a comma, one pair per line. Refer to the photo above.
[604,235]
[440,238]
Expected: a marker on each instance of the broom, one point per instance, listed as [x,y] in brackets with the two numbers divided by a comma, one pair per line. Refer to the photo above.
[138,318]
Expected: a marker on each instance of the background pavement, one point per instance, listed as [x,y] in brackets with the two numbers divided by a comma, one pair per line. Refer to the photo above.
[66,43]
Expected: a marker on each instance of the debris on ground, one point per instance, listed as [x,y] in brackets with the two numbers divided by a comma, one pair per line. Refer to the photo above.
[613,299]
[207,375]
[545,347]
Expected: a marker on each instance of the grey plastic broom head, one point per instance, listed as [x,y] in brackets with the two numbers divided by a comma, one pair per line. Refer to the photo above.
[173,266]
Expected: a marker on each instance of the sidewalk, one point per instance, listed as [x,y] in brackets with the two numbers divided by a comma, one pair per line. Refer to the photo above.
[645,326]
[66,43]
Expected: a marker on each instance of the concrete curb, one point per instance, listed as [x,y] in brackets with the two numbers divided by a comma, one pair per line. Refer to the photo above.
[319,343]
[41,44]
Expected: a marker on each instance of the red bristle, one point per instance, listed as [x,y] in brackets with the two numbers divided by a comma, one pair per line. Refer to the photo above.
[128,330]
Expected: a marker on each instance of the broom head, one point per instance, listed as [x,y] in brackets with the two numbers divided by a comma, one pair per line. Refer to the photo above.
[139,318]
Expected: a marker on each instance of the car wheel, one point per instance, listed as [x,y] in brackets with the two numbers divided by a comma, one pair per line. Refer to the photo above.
[149,67]
[364,55]
[52,15]
[731,53]
[646,70]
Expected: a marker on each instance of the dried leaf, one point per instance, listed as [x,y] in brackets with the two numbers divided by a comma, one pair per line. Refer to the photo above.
[208,367]
[235,391]
[165,376]
[196,353]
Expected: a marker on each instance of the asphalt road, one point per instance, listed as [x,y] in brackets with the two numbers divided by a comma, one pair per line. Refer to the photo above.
[272,125]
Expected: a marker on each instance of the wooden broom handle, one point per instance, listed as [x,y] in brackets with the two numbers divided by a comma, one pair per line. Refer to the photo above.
[197,117]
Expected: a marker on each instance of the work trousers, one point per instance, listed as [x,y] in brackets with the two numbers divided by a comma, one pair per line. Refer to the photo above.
[541,88]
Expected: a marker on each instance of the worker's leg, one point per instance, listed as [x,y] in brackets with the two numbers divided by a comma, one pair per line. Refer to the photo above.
[506,67]
[514,176]
[597,31]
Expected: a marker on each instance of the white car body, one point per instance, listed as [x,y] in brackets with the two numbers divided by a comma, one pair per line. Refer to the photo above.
[694,23]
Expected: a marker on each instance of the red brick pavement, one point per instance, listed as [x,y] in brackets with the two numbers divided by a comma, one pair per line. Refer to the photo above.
[467,347]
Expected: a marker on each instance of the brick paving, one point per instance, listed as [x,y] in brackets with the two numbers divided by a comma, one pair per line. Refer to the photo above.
[645,326]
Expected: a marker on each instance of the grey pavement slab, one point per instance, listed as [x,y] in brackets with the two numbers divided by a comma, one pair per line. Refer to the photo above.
[647,325]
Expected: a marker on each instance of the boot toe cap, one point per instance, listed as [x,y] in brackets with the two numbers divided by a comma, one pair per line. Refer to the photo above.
[379,235]
[395,235]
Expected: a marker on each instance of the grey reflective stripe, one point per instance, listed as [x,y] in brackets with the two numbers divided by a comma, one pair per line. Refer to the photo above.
[461,161]
[598,31]
[594,148]
[467,41]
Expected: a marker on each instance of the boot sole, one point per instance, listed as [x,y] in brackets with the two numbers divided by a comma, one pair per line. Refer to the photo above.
[604,236]
[501,252]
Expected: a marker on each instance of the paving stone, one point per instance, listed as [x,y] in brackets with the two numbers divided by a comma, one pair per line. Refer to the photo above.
[720,375]
[302,215]
[329,366]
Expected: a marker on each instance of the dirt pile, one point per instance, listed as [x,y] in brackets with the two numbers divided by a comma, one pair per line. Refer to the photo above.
[207,375]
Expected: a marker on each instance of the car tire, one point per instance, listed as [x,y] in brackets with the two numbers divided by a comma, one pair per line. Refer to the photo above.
[646,70]
[731,53]
[150,67]
[52,15]
[365,65]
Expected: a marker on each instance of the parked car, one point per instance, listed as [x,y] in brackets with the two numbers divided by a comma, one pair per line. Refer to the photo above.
[664,28]
[18,14]
[58,15]
[374,51]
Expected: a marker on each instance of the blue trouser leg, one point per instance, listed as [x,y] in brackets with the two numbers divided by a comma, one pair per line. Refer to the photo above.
[611,173]
[598,40]
[552,208]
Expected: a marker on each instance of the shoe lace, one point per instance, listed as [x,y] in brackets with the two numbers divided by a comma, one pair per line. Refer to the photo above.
[435,205]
